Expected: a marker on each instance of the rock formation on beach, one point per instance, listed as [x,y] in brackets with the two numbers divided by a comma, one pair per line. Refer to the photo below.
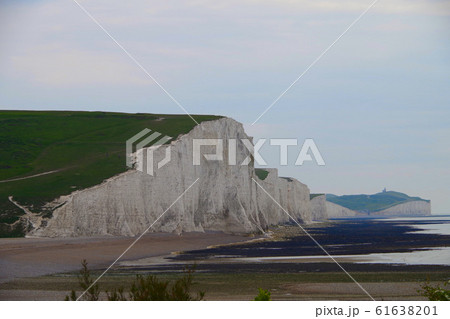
[224,198]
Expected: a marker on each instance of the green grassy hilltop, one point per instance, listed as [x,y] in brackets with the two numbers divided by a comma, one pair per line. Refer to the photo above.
[372,203]
[84,148]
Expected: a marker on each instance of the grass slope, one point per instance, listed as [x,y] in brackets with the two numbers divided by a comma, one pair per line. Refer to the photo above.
[261,173]
[372,203]
[86,148]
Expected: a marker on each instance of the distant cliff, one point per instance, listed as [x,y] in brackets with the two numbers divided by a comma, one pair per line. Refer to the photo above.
[383,203]
[413,208]
[335,210]
[321,209]
[318,207]
[225,197]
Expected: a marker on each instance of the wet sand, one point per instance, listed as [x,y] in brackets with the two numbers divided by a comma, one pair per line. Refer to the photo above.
[31,257]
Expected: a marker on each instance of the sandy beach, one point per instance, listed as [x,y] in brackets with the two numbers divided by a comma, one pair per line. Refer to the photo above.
[31,257]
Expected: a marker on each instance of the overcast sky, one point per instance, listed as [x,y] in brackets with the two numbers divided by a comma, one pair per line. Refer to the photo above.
[377,104]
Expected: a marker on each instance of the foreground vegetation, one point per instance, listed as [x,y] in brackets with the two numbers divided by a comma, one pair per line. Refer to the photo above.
[143,288]
[244,286]
[435,292]
[84,148]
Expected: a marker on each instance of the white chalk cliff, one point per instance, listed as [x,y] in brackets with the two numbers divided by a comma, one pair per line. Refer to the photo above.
[224,198]
[321,209]
[335,211]
[411,208]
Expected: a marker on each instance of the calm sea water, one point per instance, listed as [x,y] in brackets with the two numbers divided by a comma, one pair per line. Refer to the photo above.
[409,241]
[438,224]
[432,225]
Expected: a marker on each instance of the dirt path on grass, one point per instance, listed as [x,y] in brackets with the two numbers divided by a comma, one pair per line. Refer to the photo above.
[32,176]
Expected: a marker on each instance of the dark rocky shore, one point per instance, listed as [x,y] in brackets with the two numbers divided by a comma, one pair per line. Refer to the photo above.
[340,237]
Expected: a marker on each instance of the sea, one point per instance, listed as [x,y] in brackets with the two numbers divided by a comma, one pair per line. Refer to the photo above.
[434,225]
[406,240]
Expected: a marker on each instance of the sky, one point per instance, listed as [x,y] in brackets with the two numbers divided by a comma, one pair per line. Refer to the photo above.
[377,104]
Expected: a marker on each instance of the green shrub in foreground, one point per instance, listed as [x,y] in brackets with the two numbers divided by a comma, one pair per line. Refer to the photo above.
[435,293]
[264,295]
[144,288]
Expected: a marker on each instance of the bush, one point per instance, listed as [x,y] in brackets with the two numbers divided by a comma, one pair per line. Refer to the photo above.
[144,288]
[435,293]
[264,295]
[85,281]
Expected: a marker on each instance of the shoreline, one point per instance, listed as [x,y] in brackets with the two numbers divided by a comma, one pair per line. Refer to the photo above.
[352,240]
[231,267]
[212,251]
[32,257]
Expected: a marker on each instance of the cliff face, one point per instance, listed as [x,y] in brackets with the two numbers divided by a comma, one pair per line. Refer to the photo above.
[412,208]
[319,207]
[292,195]
[322,209]
[335,210]
[225,198]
